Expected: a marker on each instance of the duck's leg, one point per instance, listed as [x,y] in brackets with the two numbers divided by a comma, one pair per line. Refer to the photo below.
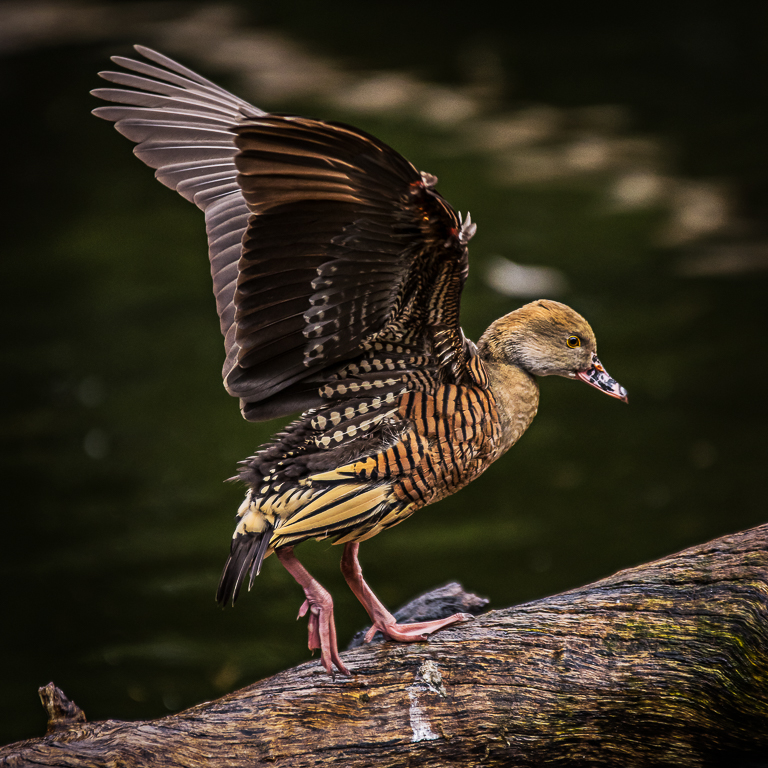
[382,619]
[319,605]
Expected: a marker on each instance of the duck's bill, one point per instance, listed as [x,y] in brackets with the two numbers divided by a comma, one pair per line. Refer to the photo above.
[600,379]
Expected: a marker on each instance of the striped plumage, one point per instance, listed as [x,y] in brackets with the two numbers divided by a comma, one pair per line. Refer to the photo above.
[337,270]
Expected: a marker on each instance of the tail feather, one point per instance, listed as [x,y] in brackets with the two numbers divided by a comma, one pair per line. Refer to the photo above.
[245,557]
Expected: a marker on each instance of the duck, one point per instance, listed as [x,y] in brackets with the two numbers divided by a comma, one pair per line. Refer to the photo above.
[337,270]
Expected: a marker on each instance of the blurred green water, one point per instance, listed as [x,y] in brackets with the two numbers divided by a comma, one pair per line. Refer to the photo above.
[118,434]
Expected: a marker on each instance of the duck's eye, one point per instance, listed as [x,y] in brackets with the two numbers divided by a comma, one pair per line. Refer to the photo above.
[573,342]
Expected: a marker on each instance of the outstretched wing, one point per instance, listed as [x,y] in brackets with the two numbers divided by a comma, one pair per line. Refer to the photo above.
[322,239]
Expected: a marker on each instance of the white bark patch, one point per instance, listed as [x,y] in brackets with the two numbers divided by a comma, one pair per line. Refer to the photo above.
[428,679]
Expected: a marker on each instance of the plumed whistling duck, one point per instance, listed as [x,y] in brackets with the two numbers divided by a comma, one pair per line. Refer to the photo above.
[338,269]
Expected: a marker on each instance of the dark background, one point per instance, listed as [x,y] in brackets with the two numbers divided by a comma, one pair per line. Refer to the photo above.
[623,148]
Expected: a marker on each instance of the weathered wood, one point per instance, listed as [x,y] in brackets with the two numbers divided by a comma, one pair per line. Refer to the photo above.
[664,664]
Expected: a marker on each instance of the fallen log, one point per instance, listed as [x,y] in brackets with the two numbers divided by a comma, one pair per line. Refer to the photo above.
[663,664]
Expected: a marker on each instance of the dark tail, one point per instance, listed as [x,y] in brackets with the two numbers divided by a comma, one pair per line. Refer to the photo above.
[245,555]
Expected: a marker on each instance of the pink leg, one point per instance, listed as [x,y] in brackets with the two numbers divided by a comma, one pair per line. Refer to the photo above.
[319,604]
[382,619]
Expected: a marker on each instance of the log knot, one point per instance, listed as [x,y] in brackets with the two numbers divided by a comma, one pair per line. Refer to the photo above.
[62,713]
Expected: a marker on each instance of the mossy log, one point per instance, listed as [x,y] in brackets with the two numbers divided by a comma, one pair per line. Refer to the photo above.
[663,664]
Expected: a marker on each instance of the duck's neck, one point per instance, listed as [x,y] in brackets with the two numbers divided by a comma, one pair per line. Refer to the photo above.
[517,398]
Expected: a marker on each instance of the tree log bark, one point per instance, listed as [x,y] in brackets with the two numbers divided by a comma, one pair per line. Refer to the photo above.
[664,664]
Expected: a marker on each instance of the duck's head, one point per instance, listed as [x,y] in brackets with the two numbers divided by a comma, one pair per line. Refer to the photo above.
[547,338]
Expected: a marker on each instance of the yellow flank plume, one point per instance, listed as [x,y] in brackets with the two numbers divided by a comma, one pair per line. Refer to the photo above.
[396,516]
[323,512]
